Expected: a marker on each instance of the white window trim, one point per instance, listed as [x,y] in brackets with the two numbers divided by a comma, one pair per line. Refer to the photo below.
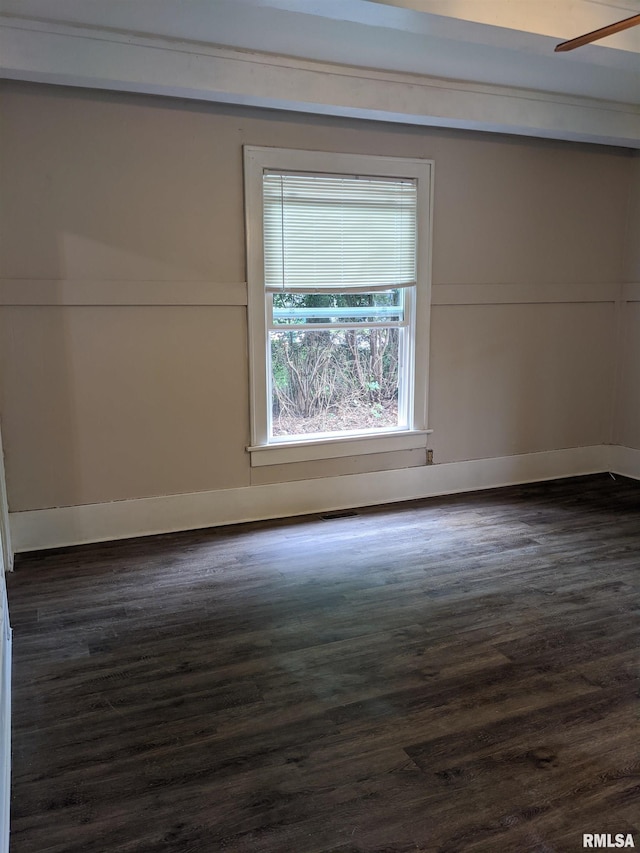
[263,451]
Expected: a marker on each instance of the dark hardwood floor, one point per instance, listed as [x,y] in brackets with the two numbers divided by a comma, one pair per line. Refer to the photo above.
[453,674]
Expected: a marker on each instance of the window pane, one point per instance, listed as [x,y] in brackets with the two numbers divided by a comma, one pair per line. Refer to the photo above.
[326,381]
[296,308]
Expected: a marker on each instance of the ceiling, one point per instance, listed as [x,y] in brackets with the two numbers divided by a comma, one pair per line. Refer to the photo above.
[481,64]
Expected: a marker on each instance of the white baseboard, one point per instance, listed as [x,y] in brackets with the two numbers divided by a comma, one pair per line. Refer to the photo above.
[624,461]
[53,528]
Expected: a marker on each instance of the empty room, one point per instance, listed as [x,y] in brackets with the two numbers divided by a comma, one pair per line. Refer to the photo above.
[320,415]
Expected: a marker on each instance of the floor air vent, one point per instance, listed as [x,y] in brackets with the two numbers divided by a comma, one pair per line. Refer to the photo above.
[341,513]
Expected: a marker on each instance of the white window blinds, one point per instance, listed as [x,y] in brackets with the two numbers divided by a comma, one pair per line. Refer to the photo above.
[338,233]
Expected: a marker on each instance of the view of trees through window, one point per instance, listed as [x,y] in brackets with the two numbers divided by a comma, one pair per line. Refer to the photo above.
[341,375]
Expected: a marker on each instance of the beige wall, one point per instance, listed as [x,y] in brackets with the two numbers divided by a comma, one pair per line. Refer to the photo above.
[511,379]
[632,242]
[6,551]
[119,194]
[627,422]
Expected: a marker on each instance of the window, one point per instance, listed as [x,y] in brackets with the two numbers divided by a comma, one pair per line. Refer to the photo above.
[338,253]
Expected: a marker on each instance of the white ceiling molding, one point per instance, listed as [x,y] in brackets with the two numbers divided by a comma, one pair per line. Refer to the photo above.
[108,59]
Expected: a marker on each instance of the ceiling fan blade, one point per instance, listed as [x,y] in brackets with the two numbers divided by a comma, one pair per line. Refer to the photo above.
[595,35]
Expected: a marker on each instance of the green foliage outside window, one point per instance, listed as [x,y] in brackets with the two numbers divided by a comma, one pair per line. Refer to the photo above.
[333,379]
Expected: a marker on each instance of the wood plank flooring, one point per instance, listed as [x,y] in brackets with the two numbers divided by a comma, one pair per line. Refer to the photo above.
[452,674]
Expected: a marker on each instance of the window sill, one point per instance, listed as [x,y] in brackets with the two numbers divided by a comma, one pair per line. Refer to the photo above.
[305,450]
